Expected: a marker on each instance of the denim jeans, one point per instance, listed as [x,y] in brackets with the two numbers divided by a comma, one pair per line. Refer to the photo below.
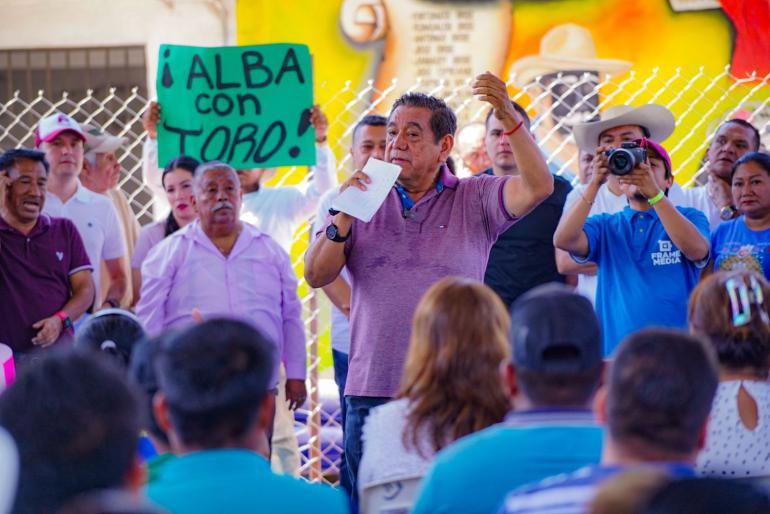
[357,410]
[340,360]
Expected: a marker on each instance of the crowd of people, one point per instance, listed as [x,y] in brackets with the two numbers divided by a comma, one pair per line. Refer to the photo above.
[503,343]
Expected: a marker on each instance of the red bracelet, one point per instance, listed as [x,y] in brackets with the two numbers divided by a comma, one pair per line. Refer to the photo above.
[65,321]
[514,129]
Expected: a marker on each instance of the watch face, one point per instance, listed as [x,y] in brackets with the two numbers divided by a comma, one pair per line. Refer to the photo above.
[726,213]
[331,232]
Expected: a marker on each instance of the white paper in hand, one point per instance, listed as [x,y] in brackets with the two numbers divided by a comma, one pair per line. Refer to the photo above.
[363,204]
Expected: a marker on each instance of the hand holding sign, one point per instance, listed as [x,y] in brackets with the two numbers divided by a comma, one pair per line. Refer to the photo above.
[249,106]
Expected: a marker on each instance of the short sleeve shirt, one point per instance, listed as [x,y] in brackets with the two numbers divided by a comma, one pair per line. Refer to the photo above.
[734,246]
[523,256]
[35,274]
[638,262]
[97,221]
[395,258]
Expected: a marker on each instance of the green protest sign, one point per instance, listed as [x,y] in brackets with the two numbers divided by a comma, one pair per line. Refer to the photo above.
[248,106]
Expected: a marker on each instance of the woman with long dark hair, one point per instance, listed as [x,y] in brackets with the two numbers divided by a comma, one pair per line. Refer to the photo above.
[177,181]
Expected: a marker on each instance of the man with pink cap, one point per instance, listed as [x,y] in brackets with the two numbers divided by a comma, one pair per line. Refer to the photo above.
[62,139]
[649,255]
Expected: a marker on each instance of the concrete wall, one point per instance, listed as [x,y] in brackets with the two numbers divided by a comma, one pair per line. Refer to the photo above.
[88,23]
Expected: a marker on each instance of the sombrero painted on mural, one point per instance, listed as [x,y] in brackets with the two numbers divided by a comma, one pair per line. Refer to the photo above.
[565,47]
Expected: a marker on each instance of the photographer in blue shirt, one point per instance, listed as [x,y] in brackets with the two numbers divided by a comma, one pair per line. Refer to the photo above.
[649,255]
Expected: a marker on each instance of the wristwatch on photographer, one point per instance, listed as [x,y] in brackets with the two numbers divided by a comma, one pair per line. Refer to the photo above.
[728,212]
[333,234]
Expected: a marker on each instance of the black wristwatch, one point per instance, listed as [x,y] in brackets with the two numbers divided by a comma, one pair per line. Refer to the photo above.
[333,234]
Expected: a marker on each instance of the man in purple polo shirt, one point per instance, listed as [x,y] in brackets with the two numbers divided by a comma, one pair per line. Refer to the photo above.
[220,266]
[45,274]
[430,226]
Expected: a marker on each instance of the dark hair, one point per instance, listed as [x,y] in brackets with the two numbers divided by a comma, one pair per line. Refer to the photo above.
[660,388]
[559,389]
[521,110]
[76,423]
[141,372]
[186,163]
[708,496]
[762,159]
[745,124]
[215,376]
[370,120]
[442,119]
[8,159]
[710,312]
[112,331]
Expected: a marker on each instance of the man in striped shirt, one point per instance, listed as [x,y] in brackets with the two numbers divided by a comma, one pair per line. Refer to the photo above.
[655,405]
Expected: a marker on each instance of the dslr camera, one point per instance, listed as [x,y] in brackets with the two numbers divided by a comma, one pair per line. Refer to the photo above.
[622,161]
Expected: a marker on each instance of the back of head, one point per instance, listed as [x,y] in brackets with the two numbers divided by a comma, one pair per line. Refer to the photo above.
[451,376]
[556,347]
[141,372]
[112,331]
[732,310]
[442,120]
[76,424]
[708,496]
[214,377]
[659,393]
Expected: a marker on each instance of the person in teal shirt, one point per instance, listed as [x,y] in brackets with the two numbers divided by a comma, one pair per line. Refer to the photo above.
[744,242]
[216,404]
[649,255]
[552,379]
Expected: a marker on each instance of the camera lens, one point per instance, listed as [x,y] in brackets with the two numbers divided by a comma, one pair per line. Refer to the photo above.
[621,162]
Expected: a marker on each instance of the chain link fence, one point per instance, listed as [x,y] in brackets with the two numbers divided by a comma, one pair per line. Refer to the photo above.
[699,100]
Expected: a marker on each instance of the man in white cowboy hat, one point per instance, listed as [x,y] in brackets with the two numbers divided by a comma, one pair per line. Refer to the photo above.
[618,124]
[563,82]
[101,172]
[62,139]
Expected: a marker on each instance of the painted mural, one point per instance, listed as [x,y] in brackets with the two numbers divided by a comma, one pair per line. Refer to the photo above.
[672,52]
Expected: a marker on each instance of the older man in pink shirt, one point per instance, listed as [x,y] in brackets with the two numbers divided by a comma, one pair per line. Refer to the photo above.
[220,266]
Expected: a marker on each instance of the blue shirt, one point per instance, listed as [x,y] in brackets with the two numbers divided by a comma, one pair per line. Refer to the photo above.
[237,481]
[572,493]
[644,280]
[474,474]
[735,246]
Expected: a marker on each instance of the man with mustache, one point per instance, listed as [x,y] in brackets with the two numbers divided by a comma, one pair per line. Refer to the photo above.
[733,139]
[62,139]
[219,266]
[45,274]
[649,254]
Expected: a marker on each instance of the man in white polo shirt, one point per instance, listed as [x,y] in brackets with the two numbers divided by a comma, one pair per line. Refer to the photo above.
[61,138]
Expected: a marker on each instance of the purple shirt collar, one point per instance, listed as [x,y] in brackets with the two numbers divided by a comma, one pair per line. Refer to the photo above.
[42,224]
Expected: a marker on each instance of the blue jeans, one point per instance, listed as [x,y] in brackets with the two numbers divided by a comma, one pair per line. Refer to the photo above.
[340,360]
[357,408]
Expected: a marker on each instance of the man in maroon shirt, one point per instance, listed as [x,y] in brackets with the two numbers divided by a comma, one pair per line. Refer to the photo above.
[45,274]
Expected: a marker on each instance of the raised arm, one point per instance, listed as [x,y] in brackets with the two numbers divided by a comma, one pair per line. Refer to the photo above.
[683,233]
[569,235]
[534,183]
